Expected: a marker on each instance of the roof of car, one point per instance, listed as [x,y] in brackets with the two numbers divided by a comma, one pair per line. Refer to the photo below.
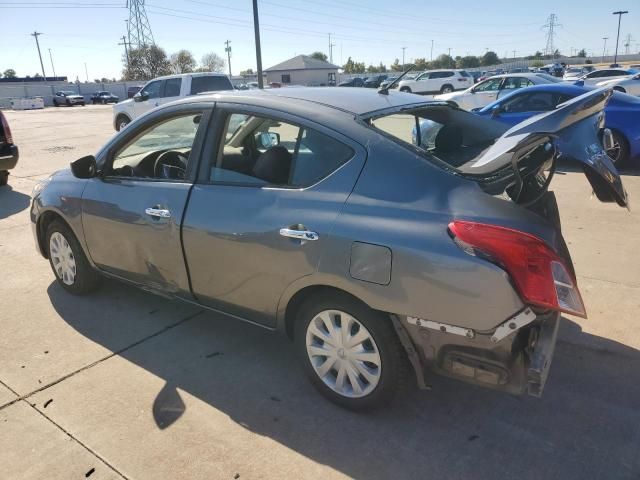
[192,74]
[358,101]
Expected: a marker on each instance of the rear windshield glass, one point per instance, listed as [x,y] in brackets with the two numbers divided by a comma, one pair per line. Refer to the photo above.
[454,137]
[209,84]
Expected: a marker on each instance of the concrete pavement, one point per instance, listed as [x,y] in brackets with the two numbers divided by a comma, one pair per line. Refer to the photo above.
[124,384]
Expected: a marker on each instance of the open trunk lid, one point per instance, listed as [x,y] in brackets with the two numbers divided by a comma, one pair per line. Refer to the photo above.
[573,131]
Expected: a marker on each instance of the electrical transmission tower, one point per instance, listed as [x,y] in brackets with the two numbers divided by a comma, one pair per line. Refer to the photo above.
[627,44]
[550,26]
[138,28]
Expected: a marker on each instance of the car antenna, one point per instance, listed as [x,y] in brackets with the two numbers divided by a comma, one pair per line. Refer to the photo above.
[385,90]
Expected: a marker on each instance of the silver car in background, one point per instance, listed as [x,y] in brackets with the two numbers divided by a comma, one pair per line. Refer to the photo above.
[309,212]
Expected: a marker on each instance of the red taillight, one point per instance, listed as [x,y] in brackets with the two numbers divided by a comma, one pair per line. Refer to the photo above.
[5,127]
[540,276]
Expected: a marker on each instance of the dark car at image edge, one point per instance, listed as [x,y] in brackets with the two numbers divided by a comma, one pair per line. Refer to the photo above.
[8,150]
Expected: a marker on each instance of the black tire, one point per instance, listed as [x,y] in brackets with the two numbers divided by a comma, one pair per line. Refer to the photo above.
[56,104]
[394,366]
[446,89]
[82,104]
[69,104]
[87,279]
[621,157]
[121,122]
[93,102]
[405,89]
[4,177]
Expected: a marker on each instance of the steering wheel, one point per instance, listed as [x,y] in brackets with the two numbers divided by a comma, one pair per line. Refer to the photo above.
[171,165]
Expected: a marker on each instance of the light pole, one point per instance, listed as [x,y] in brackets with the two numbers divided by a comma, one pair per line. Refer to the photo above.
[256,29]
[432,50]
[52,67]
[403,49]
[604,48]
[619,13]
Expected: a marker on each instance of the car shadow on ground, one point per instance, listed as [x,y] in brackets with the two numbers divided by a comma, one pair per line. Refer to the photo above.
[12,201]
[587,425]
[565,167]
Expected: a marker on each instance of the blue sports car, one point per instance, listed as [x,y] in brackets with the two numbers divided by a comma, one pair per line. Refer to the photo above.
[622,114]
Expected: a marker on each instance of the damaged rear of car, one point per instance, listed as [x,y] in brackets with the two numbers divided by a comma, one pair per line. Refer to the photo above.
[503,218]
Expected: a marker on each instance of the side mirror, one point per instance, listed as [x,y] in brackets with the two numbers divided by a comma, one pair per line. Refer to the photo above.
[268,139]
[140,97]
[84,167]
[496,111]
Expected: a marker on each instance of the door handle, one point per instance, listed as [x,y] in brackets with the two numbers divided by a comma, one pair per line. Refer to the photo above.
[158,212]
[299,234]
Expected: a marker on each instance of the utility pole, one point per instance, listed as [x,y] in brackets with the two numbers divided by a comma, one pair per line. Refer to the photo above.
[86,72]
[228,50]
[604,49]
[256,28]
[403,49]
[52,67]
[514,54]
[35,35]
[432,50]
[619,13]
[331,45]
[126,52]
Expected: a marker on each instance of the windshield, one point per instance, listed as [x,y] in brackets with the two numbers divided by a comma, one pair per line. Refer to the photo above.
[67,92]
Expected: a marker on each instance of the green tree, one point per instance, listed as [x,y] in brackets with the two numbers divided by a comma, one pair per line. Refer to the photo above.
[469,61]
[319,56]
[247,72]
[145,63]
[443,61]
[348,67]
[536,64]
[421,64]
[183,61]
[582,53]
[9,73]
[211,62]
[395,66]
[490,58]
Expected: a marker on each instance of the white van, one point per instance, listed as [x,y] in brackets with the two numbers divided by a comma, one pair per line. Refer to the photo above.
[166,89]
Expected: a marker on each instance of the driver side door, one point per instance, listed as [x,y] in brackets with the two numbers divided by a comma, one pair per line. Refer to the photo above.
[132,212]
[484,93]
[148,97]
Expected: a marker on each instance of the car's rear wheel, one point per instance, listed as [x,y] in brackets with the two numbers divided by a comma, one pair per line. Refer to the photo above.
[121,122]
[351,353]
[619,154]
[4,177]
[68,261]
[405,89]
[446,89]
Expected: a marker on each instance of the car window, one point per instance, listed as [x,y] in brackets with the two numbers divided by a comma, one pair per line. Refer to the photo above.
[530,102]
[152,90]
[513,83]
[488,85]
[172,87]
[260,151]
[464,74]
[209,83]
[139,157]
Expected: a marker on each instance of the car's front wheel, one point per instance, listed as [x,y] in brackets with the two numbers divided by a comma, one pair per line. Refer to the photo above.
[351,353]
[121,122]
[68,261]
[446,89]
[4,177]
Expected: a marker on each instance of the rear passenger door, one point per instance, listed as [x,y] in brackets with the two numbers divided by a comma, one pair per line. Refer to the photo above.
[269,190]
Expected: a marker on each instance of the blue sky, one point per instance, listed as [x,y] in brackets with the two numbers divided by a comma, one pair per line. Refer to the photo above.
[372,31]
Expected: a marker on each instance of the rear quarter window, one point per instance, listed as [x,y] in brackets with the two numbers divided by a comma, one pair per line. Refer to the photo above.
[209,84]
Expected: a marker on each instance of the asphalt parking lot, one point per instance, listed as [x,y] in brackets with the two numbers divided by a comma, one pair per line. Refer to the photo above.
[124,384]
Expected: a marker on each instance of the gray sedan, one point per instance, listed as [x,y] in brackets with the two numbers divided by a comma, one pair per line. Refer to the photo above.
[310,212]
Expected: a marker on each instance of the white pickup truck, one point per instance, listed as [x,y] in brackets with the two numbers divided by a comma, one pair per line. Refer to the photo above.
[166,89]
